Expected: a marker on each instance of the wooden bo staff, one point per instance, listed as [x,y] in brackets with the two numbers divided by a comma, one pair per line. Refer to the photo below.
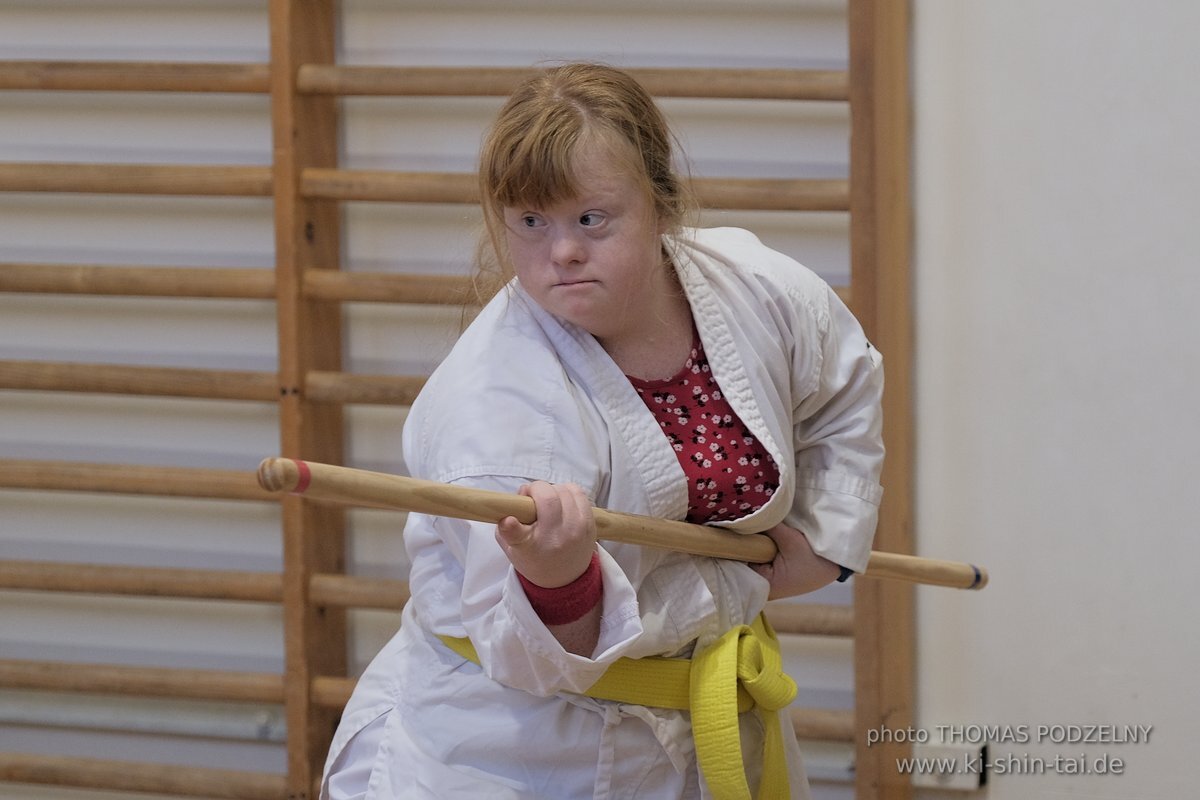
[380,490]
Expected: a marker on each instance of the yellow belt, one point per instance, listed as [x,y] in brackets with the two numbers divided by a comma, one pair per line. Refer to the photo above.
[742,670]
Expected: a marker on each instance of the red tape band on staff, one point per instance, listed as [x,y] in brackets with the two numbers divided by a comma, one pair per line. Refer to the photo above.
[305,476]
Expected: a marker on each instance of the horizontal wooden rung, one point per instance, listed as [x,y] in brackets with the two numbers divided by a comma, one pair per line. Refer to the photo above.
[183,684]
[320,387]
[129,776]
[816,724]
[385,287]
[134,76]
[811,619]
[823,725]
[239,283]
[151,76]
[746,84]
[752,84]
[845,294]
[801,619]
[58,376]
[755,194]
[343,387]
[763,194]
[151,179]
[138,281]
[325,589]
[397,187]
[350,591]
[331,692]
[392,287]
[135,479]
[141,581]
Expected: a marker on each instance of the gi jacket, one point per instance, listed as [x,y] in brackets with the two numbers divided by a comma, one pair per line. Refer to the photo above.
[524,396]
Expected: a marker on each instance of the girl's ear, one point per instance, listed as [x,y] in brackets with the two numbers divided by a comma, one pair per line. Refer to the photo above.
[660,222]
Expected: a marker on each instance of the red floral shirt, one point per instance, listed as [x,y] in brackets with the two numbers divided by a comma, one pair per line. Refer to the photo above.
[729,472]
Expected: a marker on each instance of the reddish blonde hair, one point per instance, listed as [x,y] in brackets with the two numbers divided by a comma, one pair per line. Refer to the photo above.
[528,156]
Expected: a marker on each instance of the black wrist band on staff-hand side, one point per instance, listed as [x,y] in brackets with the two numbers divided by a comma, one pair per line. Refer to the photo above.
[845,574]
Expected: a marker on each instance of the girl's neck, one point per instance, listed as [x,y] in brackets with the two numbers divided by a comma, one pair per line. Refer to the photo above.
[662,341]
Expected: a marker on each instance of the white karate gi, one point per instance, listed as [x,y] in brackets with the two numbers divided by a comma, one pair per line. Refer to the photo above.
[525,396]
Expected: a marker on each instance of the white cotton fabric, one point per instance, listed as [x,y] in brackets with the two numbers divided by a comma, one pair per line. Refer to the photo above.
[525,396]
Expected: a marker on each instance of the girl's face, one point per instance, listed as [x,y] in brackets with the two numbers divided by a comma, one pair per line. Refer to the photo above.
[595,259]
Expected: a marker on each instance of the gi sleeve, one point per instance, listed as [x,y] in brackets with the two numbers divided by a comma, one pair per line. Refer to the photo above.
[514,646]
[838,438]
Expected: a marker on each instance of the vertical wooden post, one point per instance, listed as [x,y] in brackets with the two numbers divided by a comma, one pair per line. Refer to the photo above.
[880,220]
[307,236]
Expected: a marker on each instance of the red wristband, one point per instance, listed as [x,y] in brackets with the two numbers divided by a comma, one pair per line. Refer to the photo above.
[564,604]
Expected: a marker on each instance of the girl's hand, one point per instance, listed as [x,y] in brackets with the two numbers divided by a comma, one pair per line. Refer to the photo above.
[558,547]
[796,569]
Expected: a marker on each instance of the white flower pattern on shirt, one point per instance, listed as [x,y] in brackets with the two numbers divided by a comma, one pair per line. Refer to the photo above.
[729,473]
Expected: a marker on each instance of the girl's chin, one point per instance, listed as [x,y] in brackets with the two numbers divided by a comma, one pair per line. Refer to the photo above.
[591,320]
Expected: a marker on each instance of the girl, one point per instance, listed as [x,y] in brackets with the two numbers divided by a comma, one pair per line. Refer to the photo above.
[632,363]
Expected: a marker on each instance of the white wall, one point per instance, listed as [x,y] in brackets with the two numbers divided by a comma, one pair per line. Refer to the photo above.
[1056,267]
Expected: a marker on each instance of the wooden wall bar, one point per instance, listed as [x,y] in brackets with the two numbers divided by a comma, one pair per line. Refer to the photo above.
[379,287]
[757,84]
[317,183]
[70,476]
[307,237]
[203,584]
[135,281]
[189,684]
[129,776]
[453,187]
[164,179]
[134,76]
[333,79]
[880,243]
[307,187]
[48,376]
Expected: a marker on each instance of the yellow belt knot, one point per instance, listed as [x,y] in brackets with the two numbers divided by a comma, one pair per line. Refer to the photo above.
[741,670]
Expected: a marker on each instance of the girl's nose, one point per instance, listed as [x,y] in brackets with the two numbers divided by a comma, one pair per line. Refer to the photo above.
[567,249]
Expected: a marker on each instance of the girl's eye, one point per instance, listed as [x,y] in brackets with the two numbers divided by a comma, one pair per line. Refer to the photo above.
[590,219]
[529,221]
